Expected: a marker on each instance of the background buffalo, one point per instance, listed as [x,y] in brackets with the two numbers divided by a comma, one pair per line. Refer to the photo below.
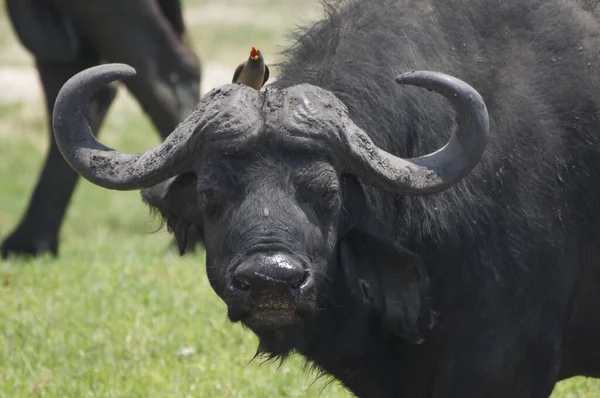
[67,36]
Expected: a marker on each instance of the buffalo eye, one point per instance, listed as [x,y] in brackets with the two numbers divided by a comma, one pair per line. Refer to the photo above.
[211,202]
[322,201]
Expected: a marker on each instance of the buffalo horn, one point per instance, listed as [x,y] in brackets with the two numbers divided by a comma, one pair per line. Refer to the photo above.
[100,164]
[436,171]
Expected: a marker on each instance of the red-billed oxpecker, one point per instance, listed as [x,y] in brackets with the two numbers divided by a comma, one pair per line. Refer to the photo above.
[253,72]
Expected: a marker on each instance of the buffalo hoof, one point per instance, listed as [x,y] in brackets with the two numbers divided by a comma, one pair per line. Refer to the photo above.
[24,245]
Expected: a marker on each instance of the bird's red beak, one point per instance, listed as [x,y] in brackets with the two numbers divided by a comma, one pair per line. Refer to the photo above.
[254,54]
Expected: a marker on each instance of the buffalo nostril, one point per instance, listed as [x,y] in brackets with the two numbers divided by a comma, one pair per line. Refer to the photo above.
[263,272]
[240,284]
[298,280]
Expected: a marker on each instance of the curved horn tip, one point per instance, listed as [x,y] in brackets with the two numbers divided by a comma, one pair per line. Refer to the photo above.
[415,76]
[440,82]
[111,71]
[71,96]
[99,75]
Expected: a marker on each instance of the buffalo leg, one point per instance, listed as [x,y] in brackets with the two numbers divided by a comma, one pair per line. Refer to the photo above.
[37,233]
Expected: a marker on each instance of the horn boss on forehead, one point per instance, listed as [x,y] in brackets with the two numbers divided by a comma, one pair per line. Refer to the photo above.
[233,112]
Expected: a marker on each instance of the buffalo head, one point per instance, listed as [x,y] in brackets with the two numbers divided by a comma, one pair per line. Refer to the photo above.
[272,181]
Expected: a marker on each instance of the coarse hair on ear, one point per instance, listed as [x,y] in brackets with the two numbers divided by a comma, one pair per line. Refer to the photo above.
[380,274]
[175,200]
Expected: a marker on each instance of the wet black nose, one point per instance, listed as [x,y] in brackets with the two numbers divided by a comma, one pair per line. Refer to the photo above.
[263,272]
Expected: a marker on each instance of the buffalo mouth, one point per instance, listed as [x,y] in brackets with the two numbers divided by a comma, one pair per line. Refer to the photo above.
[270,312]
[270,318]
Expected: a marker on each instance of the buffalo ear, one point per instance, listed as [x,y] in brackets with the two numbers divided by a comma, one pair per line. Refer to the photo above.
[383,277]
[354,204]
[43,30]
[176,201]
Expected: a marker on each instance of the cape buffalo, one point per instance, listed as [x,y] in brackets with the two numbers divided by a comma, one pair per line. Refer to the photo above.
[339,221]
[68,36]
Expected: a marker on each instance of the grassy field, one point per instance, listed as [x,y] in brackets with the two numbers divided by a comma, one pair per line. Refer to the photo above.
[119,314]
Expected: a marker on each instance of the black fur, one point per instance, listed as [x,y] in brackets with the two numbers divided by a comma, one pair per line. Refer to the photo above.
[68,36]
[483,290]
[174,14]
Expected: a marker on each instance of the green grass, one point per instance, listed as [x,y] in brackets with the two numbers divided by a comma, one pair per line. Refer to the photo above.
[110,317]
[106,321]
